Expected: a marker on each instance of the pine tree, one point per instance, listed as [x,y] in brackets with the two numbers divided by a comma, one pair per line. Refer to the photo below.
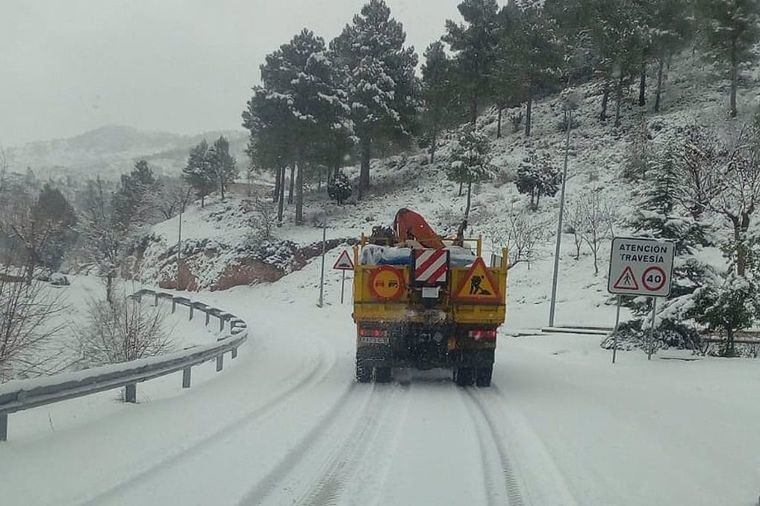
[222,164]
[53,210]
[533,43]
[198,173]
[730,30]
[671,28]
[470,161]
[537,176]
[378,76]
[131,201]
[339,188]
[475,43]
[437,92]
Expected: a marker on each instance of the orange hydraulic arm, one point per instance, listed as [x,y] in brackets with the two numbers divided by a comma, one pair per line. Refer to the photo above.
[410,225]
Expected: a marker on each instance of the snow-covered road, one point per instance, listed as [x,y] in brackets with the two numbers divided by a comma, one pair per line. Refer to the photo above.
[286,424]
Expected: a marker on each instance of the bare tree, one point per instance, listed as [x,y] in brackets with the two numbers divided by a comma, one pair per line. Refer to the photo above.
[263,218]
[521,232]
[103,239]
[171,197]
[736,191]
[27,322]
[121,330]
[595,216]
[697,161]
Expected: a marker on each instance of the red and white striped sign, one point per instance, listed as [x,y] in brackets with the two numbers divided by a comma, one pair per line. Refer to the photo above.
[431,266]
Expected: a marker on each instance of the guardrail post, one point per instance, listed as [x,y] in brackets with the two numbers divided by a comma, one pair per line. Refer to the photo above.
[234,353]
[3,426]
[191,311]
[207,318]
[219,363]
[130,393]
[174,306]
[186,377]
[221,323]
[155,302]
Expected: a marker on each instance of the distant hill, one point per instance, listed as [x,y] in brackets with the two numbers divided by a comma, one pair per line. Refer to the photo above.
[112,150]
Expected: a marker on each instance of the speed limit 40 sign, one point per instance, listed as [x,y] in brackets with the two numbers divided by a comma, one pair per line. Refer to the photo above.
[641,267]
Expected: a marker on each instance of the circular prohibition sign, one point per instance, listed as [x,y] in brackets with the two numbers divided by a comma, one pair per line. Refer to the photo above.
[386,283]
[654,279]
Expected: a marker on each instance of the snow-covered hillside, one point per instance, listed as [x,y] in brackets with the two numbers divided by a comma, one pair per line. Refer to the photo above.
[220,233]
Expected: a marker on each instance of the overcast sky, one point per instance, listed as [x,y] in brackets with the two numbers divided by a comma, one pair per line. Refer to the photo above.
[185,66]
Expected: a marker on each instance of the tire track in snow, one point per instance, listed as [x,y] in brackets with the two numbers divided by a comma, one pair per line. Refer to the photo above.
[538,480]
[488,436]
[311,376]
[267,485]
[346,462]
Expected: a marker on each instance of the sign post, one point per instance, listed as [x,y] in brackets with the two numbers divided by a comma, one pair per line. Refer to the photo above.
[640,267]
[344,263]
[322,276]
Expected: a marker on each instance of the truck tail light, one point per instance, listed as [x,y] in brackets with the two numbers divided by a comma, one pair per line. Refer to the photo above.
[483,334]
[370,332]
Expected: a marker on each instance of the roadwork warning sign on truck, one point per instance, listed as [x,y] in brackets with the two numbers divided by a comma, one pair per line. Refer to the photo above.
[640,267]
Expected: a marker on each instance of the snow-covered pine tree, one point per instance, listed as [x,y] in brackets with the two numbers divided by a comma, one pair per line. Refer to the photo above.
[378,75]
[537,176]
[339,188]
[534,44]
[437,93]
[671,28]
[730,29]
[198,172]
[131,202]
[470,161]
[475,43]
[223,164]
[659,215]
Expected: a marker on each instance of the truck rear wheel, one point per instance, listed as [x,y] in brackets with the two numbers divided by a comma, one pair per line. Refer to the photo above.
[363,371]
[464,376]
[483,376]
[383,374]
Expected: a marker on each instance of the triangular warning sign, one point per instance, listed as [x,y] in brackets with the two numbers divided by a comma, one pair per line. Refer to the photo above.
[478,286]
[344,262]
[626,281]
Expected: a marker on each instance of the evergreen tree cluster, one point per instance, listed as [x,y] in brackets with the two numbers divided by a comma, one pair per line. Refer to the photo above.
[210,168]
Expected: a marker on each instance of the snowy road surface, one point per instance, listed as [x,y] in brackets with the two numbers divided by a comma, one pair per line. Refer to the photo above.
[286,424]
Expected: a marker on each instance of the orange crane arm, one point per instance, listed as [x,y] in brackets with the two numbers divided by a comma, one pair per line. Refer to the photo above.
[410,225]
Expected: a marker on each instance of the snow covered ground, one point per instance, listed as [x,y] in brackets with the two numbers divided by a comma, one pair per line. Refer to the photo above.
[286,423]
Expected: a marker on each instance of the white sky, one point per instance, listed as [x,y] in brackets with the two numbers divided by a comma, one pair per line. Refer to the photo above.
[183,66]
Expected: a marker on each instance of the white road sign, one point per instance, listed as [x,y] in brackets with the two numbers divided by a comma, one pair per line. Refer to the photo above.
[640,267]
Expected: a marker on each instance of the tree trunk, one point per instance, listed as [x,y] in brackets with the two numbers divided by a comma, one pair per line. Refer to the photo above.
[221,186]
[292,182]
[474,110]
[203,201]
[618,99]
[734,78]
[605,100]
[461,185]
[741,226]
[469,201]
[643,85]
[364,174]
[498,123]
[434,143]
[299,191]
[528,112]
[109,288]
[277,186]
[658,92]
[319,180]
[281,197]
[730,348]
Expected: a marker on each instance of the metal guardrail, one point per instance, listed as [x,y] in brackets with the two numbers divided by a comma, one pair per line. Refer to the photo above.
[25,394]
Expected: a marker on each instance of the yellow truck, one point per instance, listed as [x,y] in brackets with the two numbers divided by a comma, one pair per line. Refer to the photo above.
[422,301]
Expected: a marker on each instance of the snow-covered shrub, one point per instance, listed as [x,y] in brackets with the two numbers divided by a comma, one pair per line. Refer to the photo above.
[339,189]
[538,176]
[634,334]
[726,304]
[263,218]
[503,177]
[121,331]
